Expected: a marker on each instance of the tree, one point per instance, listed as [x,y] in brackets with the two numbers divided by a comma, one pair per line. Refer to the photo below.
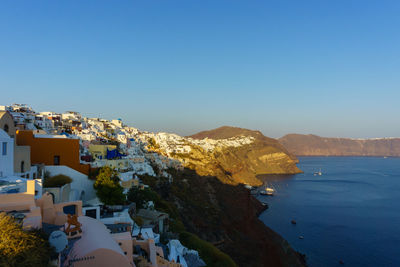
[107,186]
[142,196]
[21,248]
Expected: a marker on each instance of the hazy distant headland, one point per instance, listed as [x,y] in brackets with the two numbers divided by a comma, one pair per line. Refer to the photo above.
[313,145]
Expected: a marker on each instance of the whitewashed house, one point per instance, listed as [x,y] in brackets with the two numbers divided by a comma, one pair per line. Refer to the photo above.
[6,154]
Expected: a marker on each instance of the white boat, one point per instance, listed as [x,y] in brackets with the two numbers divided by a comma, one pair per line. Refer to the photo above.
[247,186]
[268,191]
[318,173]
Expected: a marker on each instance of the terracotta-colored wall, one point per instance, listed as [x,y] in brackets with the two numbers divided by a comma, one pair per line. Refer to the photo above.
[124,240]
[101,258]
[43,150]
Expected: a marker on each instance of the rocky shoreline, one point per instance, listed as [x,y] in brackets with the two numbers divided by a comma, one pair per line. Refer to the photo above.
[227,216]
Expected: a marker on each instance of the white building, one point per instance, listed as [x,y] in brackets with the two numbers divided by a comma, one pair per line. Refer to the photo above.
[43,122]
[117,123]
[71,115]
[6,154]
[81,186]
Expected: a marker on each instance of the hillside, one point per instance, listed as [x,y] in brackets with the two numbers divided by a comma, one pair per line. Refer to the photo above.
[226,216]
[313,145]
[225,132]
[239,164]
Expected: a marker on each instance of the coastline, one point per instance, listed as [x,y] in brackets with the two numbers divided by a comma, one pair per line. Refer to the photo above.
[280,240]
[218,211]
[352,191]
[349,156]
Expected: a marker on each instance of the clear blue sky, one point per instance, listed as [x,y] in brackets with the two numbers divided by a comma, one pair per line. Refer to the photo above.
[330,68]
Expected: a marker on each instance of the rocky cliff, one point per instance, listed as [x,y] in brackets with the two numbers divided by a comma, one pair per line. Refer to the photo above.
[239,164]
[312,145]
[227,216]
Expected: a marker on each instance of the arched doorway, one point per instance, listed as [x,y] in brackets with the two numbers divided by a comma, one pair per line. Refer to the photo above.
[82,196]
[52,196]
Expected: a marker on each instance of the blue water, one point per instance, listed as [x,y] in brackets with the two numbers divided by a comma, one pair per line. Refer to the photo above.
[350,213]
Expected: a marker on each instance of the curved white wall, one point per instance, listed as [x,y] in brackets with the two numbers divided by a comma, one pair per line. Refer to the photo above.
[80,181]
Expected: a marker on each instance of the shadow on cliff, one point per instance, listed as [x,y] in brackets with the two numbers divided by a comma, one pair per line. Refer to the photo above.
[227,216]
[274,177]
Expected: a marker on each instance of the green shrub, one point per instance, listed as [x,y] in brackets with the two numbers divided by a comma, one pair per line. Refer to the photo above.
[93,172]
[176,226]
[107,187]
[22,248]
[212,256]
[141,196]
[57,181]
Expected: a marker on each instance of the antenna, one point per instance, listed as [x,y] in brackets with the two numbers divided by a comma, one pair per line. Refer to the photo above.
[58,240]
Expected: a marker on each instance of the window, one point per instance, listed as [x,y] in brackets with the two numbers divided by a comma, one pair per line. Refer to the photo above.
[4,148]
[22,166]
[91,213]
[70,209]
[56,160]
[6,128]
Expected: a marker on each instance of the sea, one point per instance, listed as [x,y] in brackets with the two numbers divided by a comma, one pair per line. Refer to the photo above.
[348,216]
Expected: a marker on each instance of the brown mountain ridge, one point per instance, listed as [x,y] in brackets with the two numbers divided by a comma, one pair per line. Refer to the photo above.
[313,145]
[243,164]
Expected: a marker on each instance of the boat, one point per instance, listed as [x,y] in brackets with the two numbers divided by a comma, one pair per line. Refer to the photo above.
[247,186]
[268,191]
[318,173]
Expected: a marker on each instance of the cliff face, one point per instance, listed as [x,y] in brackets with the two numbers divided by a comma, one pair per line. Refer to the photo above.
[227,216]
[210,202]
[312,145]
[240,164]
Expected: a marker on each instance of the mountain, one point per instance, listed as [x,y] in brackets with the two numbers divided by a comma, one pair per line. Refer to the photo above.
[313,145]
[237,155]
[226,132]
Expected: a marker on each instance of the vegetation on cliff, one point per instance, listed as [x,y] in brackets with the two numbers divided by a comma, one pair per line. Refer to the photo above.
[224,216]
[208,252]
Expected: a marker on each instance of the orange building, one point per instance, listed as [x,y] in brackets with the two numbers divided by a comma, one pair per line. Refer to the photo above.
[51,150]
